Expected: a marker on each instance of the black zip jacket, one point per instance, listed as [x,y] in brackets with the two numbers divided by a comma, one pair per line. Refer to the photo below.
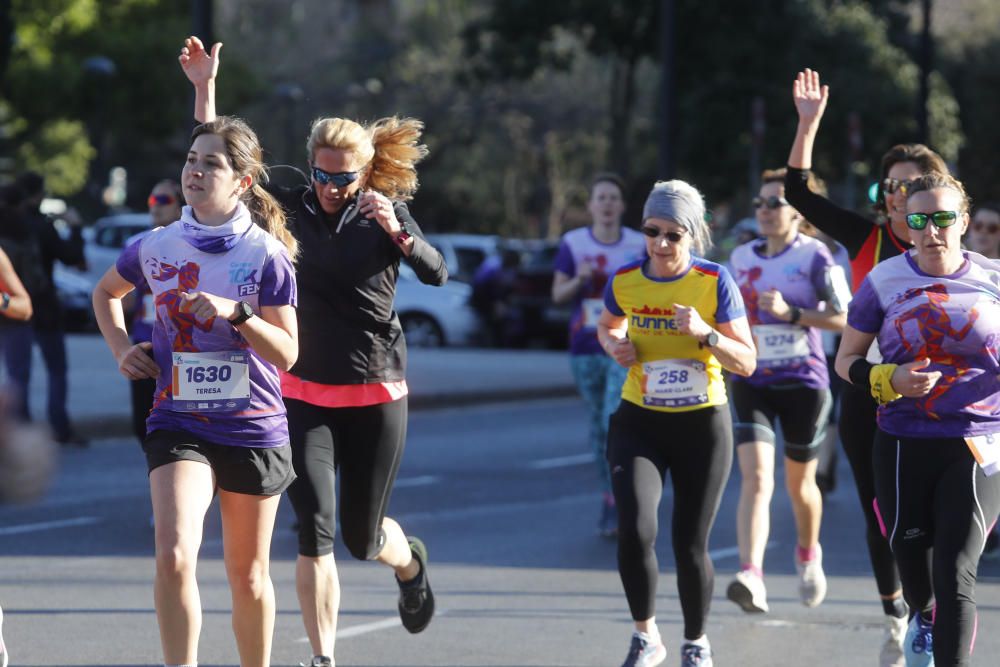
[346,272]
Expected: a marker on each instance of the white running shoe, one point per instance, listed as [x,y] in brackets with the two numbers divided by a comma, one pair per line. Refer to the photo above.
[3,648]
[695,655]
[747,590]
[643,652]
[812,580]
[891,654]
[919,643]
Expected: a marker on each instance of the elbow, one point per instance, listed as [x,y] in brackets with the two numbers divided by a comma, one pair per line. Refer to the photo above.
[747,367]
[288,358]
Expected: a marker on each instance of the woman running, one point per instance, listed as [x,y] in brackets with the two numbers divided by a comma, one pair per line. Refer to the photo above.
[868,244]
[587,257]
[792,288]
[675,321]
[935,312]
[224,292]
[347,395]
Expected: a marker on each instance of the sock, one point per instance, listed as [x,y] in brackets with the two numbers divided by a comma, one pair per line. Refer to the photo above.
[700,641]
[753,568]
[805,555]
[895,607]
[653,636]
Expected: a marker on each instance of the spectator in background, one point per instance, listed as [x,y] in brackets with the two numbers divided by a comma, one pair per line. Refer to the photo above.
[586,260]
[165,202]
[47,325]
[984,232]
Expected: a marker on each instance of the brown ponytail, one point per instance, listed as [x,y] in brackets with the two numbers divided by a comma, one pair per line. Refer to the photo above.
[267,212]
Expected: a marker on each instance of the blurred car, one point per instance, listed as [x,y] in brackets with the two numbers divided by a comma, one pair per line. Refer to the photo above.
[464,253]
[435,316]
[74,292]
[534,319]
[103,241]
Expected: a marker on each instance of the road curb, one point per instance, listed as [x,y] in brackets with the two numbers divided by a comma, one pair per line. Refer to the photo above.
[97,427]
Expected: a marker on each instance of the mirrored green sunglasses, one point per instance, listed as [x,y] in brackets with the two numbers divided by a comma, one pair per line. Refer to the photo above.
[940,219]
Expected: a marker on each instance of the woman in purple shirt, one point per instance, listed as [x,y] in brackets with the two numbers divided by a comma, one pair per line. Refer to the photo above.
[224,293]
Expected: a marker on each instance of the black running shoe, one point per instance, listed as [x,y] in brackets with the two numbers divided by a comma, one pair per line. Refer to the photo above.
[416,601]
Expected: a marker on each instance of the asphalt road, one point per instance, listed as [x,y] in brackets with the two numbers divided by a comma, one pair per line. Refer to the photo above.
[504,496]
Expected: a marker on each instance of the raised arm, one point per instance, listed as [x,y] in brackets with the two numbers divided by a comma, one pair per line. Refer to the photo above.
[846,226]
[201,69]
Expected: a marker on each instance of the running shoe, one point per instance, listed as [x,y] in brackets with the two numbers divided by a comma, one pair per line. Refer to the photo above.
[919,643]
[891,654]
[607,526]
[643,652]
[812,580]
[3,648]
[318,661]
[747,590]
[416,601]
[695,655]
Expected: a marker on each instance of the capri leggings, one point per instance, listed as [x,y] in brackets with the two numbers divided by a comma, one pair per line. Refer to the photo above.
[365,445]
[696,448]
[937,506]
[857,433]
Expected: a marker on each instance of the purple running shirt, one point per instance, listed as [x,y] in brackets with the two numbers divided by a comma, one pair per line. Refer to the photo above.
[211,383]
[806,276]
[954,321]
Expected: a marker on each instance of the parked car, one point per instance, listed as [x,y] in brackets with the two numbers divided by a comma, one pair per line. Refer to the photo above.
[74,292]
[464,253]
[435,316]
[534,319]
[104,240]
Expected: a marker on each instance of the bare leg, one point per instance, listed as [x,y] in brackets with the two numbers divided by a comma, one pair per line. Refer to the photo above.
[318,588]
[181,493]
[396,552]
[753,514]
[807,502]
[247,524]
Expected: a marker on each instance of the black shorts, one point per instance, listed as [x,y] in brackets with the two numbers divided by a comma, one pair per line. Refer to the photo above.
[254,471]
[803,412]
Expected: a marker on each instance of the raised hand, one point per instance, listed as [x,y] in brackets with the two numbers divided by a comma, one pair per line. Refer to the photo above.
[773,302]
[205,306]
[689,322]
[809,96]
[199,65]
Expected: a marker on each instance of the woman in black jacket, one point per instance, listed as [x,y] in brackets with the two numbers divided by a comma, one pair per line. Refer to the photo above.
[346,395]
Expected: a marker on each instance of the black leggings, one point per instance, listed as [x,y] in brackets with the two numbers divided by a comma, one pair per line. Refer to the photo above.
[857,431]
[366,445]
[937,505]
[697,448]
[142,402]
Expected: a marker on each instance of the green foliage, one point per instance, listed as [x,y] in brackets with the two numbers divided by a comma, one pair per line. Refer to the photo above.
[62,152]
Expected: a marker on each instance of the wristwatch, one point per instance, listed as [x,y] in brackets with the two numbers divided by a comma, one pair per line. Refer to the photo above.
[712,339]
[244,311]
[402,237]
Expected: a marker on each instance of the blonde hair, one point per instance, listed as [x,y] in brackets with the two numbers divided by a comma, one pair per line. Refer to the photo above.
[937,181]
[388,150]
[247,159]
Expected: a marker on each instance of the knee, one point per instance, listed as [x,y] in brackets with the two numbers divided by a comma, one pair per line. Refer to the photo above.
[363,544]
[758,482]
[248,579]
[175,562]
[802,489]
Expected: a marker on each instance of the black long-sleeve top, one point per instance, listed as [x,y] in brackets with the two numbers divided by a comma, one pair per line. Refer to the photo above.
[346,271]
[866,241]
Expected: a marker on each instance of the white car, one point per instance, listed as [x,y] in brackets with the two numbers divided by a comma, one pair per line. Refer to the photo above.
[435,316]
[464,253]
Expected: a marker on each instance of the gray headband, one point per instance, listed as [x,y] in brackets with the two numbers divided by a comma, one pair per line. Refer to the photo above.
[669,203]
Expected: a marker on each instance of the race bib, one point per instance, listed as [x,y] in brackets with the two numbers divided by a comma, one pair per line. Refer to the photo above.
[674,383]
[148,309]
[211,381]
[592,309]
[780,345]
[986,450]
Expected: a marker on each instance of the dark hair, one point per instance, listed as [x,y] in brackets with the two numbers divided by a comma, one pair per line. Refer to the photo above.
[606,177]
[813,182]
[31,184]
[936,181]
[988,206]
[247,159]
[928,161]
[174,186]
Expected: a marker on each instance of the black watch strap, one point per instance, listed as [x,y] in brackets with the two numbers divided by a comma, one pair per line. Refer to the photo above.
[244,312]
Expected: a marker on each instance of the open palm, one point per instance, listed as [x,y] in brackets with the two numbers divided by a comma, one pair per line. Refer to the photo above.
[810,97]
[198,64]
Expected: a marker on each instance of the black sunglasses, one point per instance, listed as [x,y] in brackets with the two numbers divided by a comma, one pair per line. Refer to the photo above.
[340,179]
[891,185]
[773,202]
[940,219]
[656,232]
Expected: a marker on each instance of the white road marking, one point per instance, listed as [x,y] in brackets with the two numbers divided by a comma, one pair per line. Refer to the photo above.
[424,480]
[727,552]
[561,462]
[48,525]
[374,626]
